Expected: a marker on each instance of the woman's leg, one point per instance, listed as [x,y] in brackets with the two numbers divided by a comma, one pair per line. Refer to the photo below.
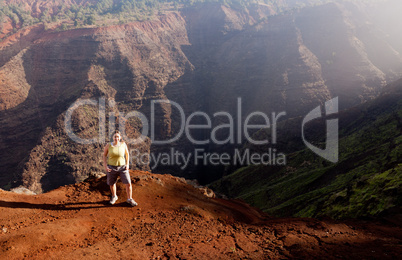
[129,191]
[113,190]
[113,199]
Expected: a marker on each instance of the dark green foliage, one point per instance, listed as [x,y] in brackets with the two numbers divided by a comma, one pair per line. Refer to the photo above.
[367,180]
[104,6]
[90,20]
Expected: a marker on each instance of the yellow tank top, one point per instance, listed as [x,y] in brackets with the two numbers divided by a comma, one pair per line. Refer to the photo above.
[116,155]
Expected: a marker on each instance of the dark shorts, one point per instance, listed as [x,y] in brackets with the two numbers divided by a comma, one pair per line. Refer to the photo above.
[116,172]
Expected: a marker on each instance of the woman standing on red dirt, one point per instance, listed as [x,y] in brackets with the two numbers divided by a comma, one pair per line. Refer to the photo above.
[116,160]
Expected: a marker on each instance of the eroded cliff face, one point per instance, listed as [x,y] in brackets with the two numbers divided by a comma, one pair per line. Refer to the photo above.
[286,63]
[204,58]
[290,62]
[125,66]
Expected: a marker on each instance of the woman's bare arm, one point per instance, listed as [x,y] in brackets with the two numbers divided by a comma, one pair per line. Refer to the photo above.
[105,152]
[127,154]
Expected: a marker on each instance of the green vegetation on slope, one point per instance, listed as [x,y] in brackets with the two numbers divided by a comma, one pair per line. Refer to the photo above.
[107,12]
[366,181]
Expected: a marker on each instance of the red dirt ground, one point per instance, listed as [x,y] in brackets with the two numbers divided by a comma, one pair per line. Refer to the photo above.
[174,220]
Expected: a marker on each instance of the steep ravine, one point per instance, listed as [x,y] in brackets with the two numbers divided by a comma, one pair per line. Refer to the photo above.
[204,58]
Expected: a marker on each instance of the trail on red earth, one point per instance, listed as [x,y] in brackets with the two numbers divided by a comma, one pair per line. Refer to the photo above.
[174,220]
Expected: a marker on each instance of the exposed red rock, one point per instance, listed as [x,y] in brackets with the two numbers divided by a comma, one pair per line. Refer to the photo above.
[174,220]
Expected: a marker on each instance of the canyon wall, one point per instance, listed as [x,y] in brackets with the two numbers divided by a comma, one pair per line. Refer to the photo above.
[124,66]
[203,58]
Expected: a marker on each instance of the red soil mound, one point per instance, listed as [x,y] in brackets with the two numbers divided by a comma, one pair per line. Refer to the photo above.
[174,220]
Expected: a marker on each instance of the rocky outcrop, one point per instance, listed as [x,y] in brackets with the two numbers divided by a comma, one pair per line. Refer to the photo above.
[174,220]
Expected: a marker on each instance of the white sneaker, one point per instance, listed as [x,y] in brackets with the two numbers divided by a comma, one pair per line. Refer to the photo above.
[132,202]
[113,200]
